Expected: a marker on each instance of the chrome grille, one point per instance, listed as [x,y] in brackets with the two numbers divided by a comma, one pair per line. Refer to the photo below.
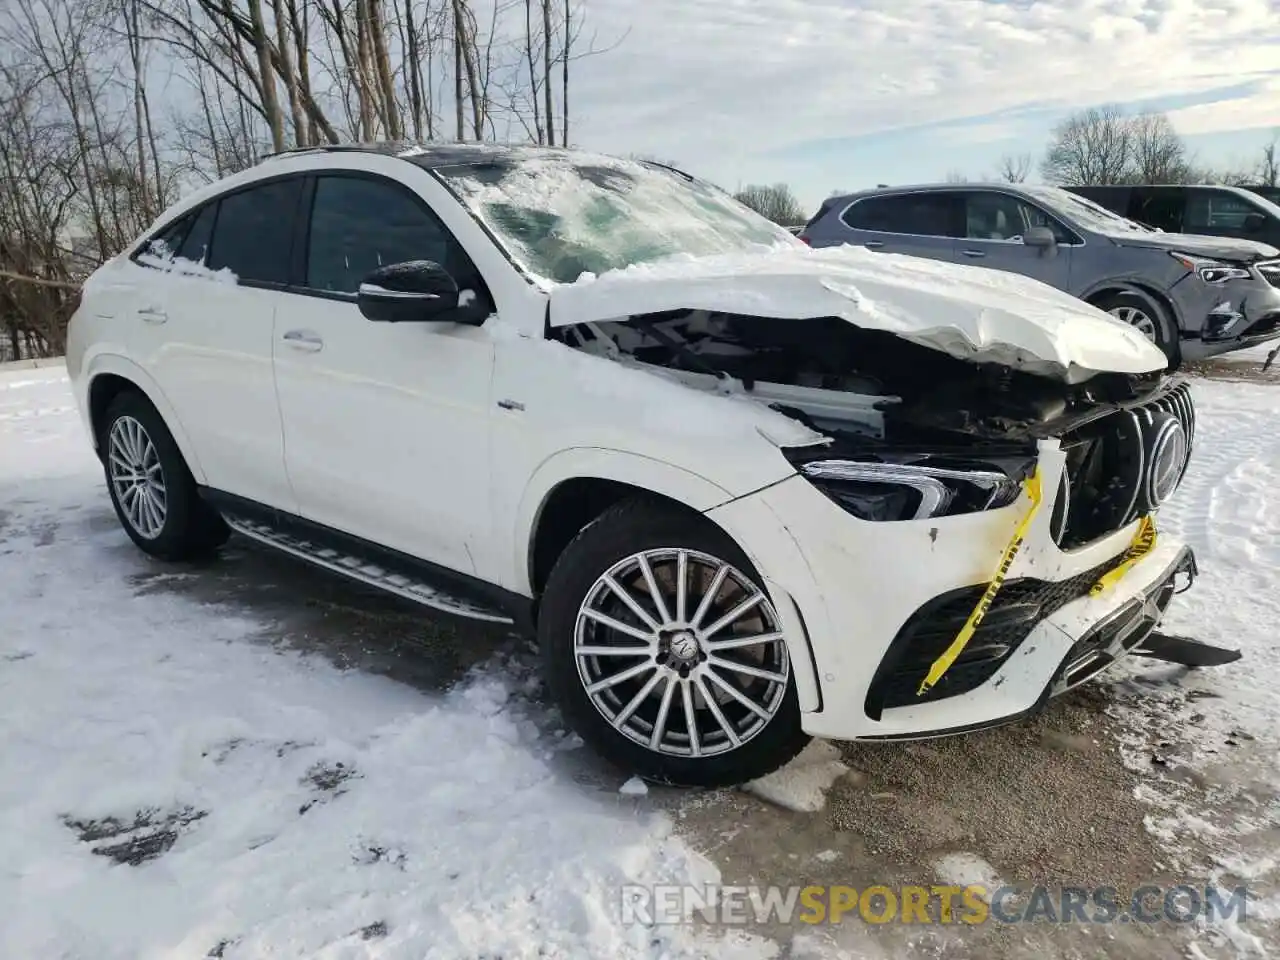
[1270,271]
[1107,465]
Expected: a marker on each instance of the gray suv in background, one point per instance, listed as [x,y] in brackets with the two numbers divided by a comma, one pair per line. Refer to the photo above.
[1194,296]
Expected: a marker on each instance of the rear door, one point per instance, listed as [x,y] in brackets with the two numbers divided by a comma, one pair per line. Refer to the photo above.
[920,223]
[204,332]
[995,224]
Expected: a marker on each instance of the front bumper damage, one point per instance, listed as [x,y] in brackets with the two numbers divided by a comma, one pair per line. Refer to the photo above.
[849,589]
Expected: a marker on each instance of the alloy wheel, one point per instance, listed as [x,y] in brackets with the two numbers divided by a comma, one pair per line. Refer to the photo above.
[680,652]
[137,478]
[1138,318]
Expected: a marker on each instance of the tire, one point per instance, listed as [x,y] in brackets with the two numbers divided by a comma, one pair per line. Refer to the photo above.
[163,514]
[672,660]
[1150,318]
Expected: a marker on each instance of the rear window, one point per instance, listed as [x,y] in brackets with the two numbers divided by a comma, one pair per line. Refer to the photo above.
[918,214]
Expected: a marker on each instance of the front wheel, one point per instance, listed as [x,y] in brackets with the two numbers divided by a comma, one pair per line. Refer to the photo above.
[1148,318]
[664,652]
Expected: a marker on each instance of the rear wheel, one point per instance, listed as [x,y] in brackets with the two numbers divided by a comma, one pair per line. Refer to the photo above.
[664,652]
[1147,317]
[152,490]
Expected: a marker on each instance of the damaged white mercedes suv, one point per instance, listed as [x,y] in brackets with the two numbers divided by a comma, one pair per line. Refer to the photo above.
[745,492]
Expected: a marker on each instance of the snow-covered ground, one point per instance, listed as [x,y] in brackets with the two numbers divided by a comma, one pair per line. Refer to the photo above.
[175,782]
[277,805]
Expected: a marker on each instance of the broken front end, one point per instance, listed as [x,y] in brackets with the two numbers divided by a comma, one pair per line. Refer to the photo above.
[965,540]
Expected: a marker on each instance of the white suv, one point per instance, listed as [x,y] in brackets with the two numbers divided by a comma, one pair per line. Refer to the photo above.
[744,491]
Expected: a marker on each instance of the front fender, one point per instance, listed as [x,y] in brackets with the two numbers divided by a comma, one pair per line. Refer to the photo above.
[104,363]
[596,463]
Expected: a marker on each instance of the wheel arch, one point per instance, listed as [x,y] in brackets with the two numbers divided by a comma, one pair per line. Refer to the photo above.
[1144,290]
[575,487]
[109,374]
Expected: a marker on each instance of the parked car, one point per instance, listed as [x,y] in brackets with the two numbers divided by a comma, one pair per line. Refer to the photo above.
[1192,296]
[1213,211]
[742,491]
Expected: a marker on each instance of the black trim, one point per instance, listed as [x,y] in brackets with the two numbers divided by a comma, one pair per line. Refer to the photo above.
[461,585]
[1038,707]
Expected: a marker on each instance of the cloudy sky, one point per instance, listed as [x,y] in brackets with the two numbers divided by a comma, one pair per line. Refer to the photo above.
[841,94]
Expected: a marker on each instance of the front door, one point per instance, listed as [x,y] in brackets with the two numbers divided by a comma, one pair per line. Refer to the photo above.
[995,224]
[385,425]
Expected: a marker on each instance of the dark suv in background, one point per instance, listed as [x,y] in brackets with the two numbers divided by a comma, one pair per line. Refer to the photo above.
[1194,296]
[1213,211]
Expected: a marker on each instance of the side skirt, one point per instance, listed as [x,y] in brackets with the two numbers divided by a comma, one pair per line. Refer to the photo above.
[425,583]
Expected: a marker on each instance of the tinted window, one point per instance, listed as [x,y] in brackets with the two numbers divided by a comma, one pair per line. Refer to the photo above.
[195,246]
[1158,208]
[1217,211]
[358,225]
[166,243]
[923,214]
[254,232]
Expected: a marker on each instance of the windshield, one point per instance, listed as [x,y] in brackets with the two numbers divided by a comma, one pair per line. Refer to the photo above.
[1085,212]
[560,216]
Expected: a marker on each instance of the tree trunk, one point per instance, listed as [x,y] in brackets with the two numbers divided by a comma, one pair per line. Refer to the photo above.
[382,69]
[287,74]
[270,101]
[533,72]
[547,88]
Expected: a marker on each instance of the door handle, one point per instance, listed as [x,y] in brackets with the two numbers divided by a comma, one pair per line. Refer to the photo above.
[874,244]
[152,315]
[974,253]
[305,340]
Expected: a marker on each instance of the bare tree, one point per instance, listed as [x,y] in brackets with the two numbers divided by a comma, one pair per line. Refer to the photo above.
[1094,146]
[1159,154]
[776,202]
[1014,168]
[1269,168]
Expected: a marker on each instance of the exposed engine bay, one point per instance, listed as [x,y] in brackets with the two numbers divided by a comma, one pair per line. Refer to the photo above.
[961,435]
[847,381]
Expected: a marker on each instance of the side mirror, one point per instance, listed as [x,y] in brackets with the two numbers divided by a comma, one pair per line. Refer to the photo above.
[1254,222]
[1041,237]
[416,291]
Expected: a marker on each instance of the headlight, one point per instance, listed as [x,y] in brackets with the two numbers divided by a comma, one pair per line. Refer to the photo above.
[895,491]
[1211,271]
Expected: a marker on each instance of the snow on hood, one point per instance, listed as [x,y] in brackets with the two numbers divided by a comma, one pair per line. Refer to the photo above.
[973,313]
[1218,248]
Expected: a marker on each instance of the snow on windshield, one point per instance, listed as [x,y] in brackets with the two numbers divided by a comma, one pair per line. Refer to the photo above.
[562,216]
[1084,211]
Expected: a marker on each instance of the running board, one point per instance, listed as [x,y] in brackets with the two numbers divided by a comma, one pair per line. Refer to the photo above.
[365,571]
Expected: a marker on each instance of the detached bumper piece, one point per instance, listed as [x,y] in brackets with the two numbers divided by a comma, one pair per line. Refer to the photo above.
[1124,631]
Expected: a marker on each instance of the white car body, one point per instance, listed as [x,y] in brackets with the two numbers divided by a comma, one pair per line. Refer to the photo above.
[444,442]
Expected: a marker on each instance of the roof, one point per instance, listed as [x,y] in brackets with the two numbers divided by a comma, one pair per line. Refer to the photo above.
[432,153]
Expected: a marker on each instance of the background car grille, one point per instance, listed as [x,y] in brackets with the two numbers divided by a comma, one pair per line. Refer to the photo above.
[1018,607]
[1106,466]
[1270,271]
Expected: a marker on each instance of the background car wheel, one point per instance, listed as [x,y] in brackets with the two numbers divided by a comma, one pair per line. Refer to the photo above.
[1148,317]
[151,488]
[664,653]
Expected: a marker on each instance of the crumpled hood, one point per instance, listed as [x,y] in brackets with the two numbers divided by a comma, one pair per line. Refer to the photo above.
[973,313]
[1214,248]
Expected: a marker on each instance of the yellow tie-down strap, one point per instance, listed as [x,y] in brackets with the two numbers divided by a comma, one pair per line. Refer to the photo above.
[948,656]
[1144,541]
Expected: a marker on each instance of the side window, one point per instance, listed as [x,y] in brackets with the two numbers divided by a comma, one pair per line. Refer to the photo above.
[359,224]
[168,241]
[993,216]
[920,214]
[254,231]
[1159,208]
[195,247]
[1210,210]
